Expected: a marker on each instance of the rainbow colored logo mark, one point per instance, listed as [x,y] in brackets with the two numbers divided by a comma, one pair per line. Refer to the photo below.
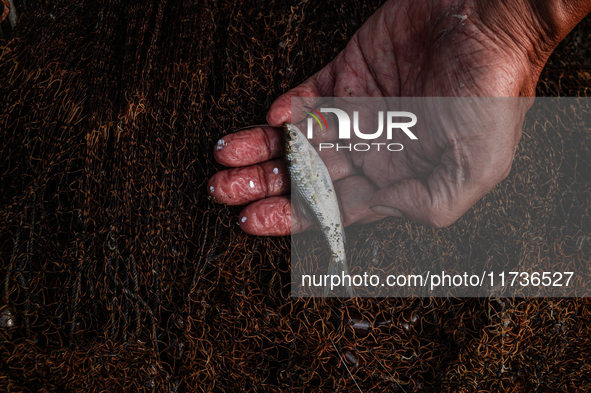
[316,117]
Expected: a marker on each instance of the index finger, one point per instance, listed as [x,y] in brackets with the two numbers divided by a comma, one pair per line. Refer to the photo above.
[248,147]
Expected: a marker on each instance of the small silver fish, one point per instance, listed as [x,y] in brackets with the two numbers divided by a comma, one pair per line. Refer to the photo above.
[316,196]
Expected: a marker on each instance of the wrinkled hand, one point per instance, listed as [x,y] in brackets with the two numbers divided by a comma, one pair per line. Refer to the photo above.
[406,49]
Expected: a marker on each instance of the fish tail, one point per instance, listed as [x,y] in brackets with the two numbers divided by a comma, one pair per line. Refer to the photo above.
[338,267]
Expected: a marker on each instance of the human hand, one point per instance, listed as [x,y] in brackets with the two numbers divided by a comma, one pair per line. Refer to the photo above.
[406,49]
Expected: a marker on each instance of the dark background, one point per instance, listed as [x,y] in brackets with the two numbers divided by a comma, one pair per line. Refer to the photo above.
[118,273]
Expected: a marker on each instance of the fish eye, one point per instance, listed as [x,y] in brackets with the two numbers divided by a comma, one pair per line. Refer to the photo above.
[293,134]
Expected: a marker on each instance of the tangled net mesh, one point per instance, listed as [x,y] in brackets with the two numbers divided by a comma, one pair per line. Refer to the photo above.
[118,273]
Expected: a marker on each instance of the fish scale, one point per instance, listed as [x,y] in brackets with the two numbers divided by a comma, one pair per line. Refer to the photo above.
[316,196]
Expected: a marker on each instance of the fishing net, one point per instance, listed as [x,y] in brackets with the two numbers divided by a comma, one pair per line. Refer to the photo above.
[119,274]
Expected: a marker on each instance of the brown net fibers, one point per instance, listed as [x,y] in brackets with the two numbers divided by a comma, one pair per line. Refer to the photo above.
[118,274]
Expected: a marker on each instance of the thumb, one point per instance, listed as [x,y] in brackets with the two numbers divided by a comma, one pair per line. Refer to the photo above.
[428,202]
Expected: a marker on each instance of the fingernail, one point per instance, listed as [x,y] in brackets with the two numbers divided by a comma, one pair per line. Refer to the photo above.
[386,211]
